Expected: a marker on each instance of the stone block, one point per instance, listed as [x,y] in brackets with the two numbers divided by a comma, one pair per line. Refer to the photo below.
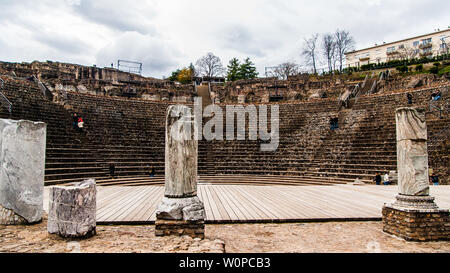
[408,224]
[187,209]
[22,161]
[72,210]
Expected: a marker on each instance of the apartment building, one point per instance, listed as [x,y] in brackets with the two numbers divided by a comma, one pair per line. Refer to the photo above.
[427,45]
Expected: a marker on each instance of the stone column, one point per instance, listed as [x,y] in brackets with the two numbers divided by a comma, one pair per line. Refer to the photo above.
[22,163]
[414,215]
[181,212]
[72,210]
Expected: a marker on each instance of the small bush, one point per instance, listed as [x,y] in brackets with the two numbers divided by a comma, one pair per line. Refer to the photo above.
[419,67]
[437,64]
[445,70]
[434,69]
[402,68]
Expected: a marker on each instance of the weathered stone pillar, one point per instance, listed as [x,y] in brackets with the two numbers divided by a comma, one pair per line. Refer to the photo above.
[22,163]
[72,210]
[414,215]
[181,212]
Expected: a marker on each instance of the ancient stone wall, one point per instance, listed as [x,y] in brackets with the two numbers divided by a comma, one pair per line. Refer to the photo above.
[61,77]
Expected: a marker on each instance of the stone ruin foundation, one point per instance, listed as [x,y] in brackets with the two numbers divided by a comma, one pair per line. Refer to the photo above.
[22,161]
[180,212]
[414,215]
[72,210]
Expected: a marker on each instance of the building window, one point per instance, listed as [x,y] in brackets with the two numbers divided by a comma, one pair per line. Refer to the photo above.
[415,43]
[401,46]
[443,46]
[428,49]
[390,49]
[426,41]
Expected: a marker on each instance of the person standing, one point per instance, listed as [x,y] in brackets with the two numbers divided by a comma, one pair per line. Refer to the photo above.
[435,179]
[152,173]
[409,97]
[75,121]
[386,179]
[377,179]
[112,169]
[80,124]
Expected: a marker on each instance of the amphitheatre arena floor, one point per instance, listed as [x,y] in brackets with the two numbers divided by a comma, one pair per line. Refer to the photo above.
[257,204]
[326,207]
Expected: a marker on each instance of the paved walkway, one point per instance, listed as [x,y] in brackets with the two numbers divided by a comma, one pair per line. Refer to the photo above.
[247,203]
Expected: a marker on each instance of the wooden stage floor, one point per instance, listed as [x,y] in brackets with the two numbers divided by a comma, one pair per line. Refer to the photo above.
[247,203]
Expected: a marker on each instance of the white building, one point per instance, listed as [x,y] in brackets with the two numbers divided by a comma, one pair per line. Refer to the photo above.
[431,44]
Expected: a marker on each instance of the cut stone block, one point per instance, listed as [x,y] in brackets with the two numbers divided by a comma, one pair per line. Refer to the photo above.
[72,210]
[22,161]
[187,209]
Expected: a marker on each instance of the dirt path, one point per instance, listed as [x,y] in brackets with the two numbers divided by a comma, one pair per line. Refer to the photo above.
[301,237]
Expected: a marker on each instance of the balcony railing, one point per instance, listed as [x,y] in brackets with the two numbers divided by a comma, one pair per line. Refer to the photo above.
[427,45]
[427,53]
[393,52]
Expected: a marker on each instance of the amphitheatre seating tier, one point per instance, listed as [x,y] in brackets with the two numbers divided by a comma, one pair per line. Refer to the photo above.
[130,134]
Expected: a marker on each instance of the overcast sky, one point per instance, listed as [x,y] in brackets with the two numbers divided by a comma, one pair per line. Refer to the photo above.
[166,35]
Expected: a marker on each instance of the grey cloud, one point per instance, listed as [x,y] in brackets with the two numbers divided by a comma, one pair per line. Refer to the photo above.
[158,57]
[118,15]
[62,43]
[241,39]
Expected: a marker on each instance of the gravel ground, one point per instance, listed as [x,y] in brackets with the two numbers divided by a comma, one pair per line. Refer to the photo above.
[231,238]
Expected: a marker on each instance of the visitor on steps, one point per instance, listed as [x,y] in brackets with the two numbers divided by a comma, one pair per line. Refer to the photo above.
[152,173]
[377,179]
[334,123]
[434,179]
[75,121]
[80,124]
[386,179]
[436,95]
[409,97]
[112,169]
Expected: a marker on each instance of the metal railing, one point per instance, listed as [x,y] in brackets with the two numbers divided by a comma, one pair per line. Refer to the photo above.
[441,136]
[440,106]
[3,99]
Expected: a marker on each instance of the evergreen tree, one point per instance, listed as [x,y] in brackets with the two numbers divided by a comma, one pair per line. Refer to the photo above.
[174,75]
[233,72]
[248,70]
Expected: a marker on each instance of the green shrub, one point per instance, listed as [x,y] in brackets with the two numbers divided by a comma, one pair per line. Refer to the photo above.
[445,70]
[434,69]
[419,67]
[402,68]
[437,64]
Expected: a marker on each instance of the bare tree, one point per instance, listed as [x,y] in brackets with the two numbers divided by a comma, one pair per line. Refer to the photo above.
[210,65]
[329,48]
[344,43]
[286,69]
[407,53]
[309,51]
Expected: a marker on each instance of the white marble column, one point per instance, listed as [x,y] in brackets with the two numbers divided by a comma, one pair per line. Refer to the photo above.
[22,162]
[412,160]
[180,200]
[181,153]
[412,156]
